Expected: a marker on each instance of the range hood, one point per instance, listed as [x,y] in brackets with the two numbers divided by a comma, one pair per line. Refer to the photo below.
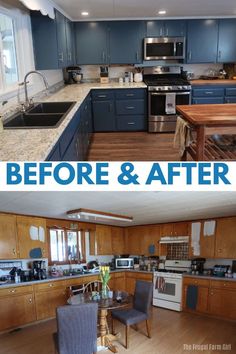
[174,239]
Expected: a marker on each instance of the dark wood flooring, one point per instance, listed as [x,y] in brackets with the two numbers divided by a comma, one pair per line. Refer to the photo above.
[135,146]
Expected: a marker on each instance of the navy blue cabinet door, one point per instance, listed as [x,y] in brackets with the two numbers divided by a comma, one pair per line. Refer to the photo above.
[61,40]
[202,41]
[227,41]
[126,42]
[104,116]
[70,42]
[91,40]
[172,28]
[44,41]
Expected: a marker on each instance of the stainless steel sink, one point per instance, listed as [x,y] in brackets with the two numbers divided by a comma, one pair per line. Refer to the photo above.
[42,115]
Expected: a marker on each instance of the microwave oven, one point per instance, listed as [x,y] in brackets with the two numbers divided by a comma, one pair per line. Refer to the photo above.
[124,263]
[164,48]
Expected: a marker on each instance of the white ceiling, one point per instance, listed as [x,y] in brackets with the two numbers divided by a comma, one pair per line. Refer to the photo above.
[145,207]
[123,9]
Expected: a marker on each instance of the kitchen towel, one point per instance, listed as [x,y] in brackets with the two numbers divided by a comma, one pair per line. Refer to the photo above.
[170,103]
[192,296]
[183,135]
[160,284]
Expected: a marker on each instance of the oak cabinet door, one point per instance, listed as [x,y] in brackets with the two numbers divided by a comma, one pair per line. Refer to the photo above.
[8,240]
[225,246]
[32,237]
[48,301]
[202,301]
[103,240]
[133,241]
[181,229]
[222,303]
[119,282]
[150,236]
[117,239]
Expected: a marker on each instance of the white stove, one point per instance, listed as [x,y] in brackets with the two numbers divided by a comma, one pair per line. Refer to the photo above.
[167,284]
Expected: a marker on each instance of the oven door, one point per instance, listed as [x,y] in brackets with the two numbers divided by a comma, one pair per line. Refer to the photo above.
[171,292]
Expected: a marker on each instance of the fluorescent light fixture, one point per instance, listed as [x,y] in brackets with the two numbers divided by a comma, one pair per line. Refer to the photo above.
[161,12]
[84,13]
[93,214]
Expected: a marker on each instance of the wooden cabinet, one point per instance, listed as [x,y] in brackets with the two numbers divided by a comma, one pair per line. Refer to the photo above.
[133,240]
[203,292]
[117,240]
[117,282]
[16,307]
[48,296]
[150,236]
[175,229]
[132,277]
[8,237]
[103,240]
[225,245]
[207,243]
[32,237]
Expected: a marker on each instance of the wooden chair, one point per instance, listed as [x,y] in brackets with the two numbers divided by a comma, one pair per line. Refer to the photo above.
[140,311]
[76,329]
[75,290]
[95,285]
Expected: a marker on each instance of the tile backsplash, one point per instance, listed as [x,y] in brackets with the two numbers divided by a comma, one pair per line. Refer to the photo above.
[177,251]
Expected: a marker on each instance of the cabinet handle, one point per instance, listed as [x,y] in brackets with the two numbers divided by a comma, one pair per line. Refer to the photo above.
[61,57]
[110,107]
[219,54]
[219,250]
[161,31]
[12,291]
[167,31]
[86,107]
[137,56]
[69,56]
[131,123]
[30,301]
[50,285]
[212,293]
[102,96]
[103,56]
[227,101]
[209,92]
[14,251]
[190,55]
[224,284]
[130,107]
[129,95]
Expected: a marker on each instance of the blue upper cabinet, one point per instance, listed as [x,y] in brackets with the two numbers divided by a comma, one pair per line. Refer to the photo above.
[227,41]
[171,28]
[125,42]
[202,39]
[53,41]
[91,40]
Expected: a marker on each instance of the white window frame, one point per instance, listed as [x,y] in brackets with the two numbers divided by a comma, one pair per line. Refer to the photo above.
[23,47]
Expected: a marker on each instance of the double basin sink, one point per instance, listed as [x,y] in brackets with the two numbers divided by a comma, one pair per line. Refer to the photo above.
[41,115]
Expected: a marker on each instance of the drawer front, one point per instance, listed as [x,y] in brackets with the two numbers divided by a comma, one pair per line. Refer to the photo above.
[130,107]
[208,92]
[76,281]
[102,95]
[223,284]
[196,281]
[131,123]
[208,100]
[230,91]
[16,290]
[231,99]
[130,94]
[49,285]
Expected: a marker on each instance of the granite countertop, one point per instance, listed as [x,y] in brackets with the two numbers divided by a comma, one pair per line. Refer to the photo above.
[209,277]
[213,82]
[65,277]
[36,144]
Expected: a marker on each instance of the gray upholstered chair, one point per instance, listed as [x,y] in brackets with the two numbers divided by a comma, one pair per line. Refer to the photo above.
[140,311]
[76,329]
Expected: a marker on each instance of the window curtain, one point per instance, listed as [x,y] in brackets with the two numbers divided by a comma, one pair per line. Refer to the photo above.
[44,6]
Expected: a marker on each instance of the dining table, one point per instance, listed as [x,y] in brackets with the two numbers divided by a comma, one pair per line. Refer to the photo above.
[116,300]
[209,119]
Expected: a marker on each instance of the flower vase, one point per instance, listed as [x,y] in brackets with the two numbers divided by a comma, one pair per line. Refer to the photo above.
[104,291]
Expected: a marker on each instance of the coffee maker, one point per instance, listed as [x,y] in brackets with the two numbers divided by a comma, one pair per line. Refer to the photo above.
[72,75]
[197,265]
[39,270]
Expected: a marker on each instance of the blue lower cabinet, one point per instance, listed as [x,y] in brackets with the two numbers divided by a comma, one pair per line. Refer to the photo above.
[132,107]
[131,123]
[71,153]
[208,100]
[55,154]
[230,99]
[104,116]
[230,91]
[208,92]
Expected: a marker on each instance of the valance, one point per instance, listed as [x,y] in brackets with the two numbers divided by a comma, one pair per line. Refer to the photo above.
[44,6]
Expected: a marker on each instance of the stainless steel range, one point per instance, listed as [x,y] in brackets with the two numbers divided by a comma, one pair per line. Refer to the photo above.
[167,284]
[166,89]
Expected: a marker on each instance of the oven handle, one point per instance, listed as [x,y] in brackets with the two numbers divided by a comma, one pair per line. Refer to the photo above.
[165,93]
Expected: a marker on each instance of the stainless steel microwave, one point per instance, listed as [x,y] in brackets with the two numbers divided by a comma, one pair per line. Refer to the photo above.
[124,263]
[163,48]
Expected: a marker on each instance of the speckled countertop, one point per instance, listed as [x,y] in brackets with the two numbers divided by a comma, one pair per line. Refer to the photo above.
[213,82]
[36,144]
[50,279]
[208,277]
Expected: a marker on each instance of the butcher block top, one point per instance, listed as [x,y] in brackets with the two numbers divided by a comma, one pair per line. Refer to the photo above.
[210,115]
[213,82]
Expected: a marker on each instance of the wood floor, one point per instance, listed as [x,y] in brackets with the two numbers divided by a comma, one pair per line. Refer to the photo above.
[172,333]
[135,146]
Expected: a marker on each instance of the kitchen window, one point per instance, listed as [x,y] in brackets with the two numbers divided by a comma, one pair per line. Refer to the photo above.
[66,246]
[8,58]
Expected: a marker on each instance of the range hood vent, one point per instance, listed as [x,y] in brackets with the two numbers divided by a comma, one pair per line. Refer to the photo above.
[174,239]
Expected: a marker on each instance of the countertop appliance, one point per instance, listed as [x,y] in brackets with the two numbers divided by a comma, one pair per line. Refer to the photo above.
[124,263]
[72,75]
[167,88]
[92,265]
[197,265]
[220,270]
[167,284]
[39,270]
[164,48]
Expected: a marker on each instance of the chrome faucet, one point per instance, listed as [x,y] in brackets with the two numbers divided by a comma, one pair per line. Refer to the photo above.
[27,101]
